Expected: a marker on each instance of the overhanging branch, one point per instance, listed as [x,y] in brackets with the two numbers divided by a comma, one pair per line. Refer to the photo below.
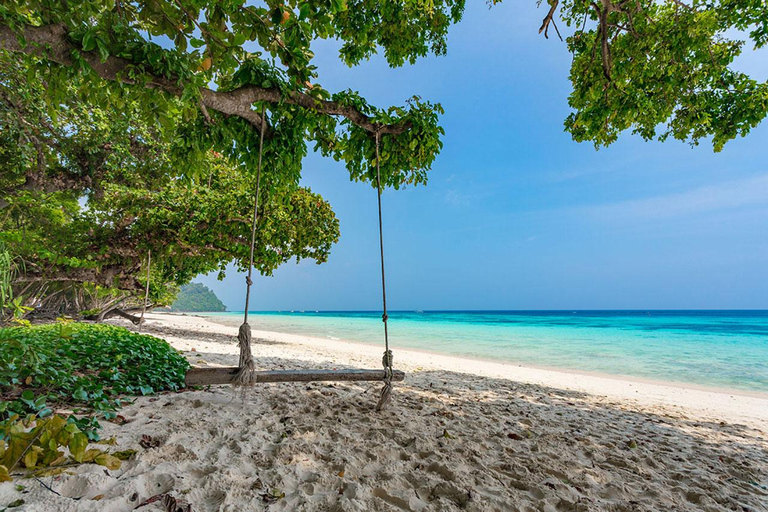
[52,43]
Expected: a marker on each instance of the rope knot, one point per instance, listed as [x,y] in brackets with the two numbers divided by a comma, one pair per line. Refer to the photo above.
[248,280]
[384,317]
[387,360]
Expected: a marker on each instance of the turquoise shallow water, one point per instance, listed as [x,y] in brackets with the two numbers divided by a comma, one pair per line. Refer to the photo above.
[727,349]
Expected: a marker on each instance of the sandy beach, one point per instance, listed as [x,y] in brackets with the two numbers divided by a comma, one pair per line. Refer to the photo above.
[459,435]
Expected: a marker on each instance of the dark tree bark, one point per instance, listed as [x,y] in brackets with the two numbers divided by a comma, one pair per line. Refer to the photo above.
[135,320]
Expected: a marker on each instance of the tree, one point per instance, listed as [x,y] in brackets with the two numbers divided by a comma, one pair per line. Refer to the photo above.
[189,227]
[121,117]
[109,46]
[89,193]
[662,69]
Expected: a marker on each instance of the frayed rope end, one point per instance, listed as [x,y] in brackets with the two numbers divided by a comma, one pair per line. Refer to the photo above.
[245,375]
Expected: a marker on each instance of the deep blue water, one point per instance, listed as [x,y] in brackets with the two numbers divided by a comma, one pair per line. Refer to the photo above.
[712,348]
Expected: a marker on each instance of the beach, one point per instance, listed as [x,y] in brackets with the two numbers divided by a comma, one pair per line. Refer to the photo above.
[459,434]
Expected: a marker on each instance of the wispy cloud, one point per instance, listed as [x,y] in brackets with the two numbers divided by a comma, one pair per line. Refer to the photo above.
[456,198]
[724,196]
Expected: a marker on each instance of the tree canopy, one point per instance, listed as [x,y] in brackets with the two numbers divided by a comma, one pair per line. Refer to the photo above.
[90,193]
[659,69]
[221,60]
[662,69]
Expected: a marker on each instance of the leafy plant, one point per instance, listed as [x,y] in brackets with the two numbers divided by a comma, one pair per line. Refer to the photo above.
[11,308]
[88,367]
[6,277]
[86,246]
[46,446]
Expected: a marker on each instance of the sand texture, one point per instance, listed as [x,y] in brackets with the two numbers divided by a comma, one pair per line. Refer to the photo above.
[459,435]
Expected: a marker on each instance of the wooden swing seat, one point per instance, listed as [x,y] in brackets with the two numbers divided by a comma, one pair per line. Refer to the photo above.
[225,375]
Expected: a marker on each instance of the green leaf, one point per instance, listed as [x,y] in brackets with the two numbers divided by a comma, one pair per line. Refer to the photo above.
[80,394]
[89,42]
[30,458]
[77,446]
[107,460]
[125,454]
[338,5]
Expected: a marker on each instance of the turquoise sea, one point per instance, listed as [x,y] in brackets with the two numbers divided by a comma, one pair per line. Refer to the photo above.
[725,349]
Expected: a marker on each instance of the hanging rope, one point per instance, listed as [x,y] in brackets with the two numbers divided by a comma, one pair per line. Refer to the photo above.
[386,360]
[245,374]
[146,293]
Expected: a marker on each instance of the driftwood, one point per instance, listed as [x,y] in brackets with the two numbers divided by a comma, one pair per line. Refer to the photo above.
[224,375]
[135,320]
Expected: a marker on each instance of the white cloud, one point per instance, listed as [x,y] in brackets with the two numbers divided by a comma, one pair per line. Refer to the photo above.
[456,198]
[724,196]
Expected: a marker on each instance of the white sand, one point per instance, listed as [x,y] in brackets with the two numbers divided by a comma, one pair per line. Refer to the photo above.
[460,435]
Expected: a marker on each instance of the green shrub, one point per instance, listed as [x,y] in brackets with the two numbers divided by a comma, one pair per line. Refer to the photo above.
[87,367]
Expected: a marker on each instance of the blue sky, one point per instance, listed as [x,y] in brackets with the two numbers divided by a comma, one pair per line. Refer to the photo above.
[516,215]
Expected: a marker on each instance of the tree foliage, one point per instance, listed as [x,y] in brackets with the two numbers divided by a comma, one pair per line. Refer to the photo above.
[197,297]
[227,59]
[90,192]
[116,146]
[659,69]
[662,69]
[189,227]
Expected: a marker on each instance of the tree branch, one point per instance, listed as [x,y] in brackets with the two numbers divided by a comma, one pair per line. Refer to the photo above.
[549,18]
[110,276]
[51,42]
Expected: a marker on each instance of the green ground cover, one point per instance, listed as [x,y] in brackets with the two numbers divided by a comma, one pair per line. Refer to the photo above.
[58,380]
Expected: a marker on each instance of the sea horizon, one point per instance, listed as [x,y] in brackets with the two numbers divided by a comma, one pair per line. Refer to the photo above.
[296,310]
[725,349]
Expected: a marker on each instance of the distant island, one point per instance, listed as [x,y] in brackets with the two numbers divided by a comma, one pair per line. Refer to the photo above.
[197,297]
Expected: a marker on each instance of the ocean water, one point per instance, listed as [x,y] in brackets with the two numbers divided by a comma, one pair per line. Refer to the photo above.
[724,349]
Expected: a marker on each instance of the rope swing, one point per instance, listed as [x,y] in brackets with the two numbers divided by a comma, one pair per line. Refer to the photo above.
[245,375]
[387,359]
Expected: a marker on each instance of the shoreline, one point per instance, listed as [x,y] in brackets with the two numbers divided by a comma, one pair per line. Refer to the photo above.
[736,405]
[520,364]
